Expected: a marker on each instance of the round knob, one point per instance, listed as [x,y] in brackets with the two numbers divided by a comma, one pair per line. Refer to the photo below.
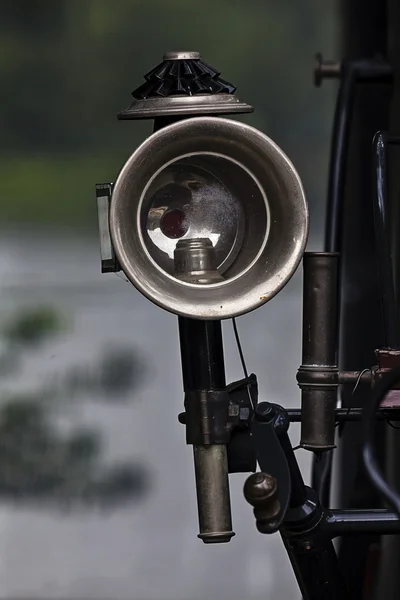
[260,489]
[325,69]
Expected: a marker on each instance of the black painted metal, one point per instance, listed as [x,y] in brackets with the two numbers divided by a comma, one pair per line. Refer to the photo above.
[311,551]
[364,34]
[378,393]
[315,565]
[383,243]
[355,522]
[389,582]
[338,160]
[271,457]
[371,70]
[351,71]
[202,354]
[186,76]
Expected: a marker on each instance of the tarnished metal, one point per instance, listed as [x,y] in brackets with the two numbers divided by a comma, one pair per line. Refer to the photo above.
[150,108]
[325,69]
[268,189]
[195,261]
[261,492]
[212,486]
[318,376]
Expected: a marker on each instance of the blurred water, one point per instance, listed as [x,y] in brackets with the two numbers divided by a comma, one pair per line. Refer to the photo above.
[146,551]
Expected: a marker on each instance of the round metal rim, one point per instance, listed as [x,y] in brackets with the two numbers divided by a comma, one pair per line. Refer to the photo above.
[185,105]
[256,285]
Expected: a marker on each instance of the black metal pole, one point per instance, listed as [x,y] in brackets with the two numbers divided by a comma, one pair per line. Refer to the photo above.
[315,565]
[383,243]
[203,370]
[353,522]
[311,552]
[389,579]
[364,35]
[338,160]
[318,374]
[298,514]
[202,354]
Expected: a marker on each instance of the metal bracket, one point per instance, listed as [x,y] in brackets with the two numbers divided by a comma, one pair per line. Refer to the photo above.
[224,416]
[270,418]
[109,262]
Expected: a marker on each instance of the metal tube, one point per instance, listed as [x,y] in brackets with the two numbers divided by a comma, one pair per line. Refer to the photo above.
[315,566]
[202,354]
[348,522]
[203,368]
[318,374]
[383,246]
[212,487]
[338,159]
[350,414]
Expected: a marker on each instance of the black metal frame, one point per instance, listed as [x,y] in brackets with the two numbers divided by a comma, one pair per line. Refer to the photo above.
[308,528]
[281,500]
[350,73]
[302,516]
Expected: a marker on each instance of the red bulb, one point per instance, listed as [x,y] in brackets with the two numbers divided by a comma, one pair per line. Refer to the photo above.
[174,224]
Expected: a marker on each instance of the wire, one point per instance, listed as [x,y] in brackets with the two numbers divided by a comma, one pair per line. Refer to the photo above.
[343,423]
[239,347]
[359,379]
[323,472]
[242,360]
[122,277]
[369,455]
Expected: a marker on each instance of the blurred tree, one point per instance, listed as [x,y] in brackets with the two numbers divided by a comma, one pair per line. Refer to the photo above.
[32,327]
[67,68]
[40,464]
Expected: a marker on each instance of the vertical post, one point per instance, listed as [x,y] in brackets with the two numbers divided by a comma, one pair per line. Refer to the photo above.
[364,27]
[384,248]
[203,369]
[318,375]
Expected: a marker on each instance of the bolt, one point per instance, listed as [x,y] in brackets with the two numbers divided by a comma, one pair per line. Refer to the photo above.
[244,414]
[325,69]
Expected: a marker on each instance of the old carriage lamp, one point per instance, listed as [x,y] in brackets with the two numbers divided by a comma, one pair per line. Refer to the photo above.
[208,219]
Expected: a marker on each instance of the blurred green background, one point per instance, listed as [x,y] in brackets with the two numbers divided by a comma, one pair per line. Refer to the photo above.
[85,361]
[68,66]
